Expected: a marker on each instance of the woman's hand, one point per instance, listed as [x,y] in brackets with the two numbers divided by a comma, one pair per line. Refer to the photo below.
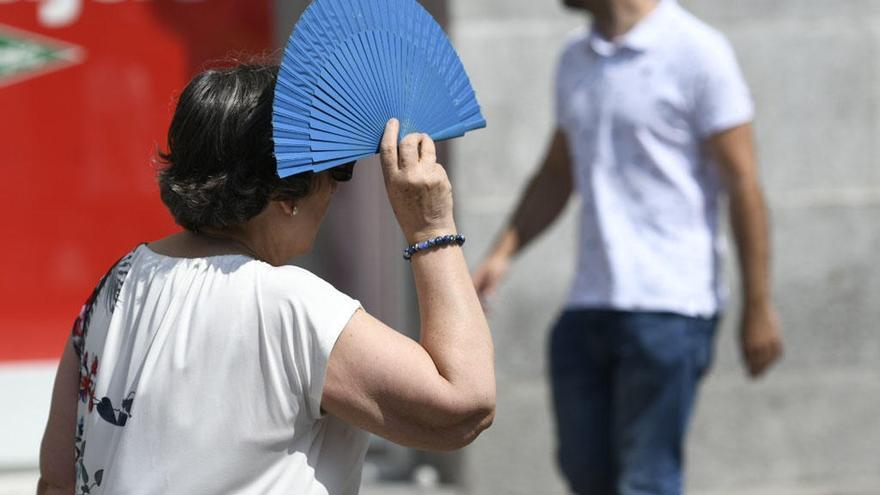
[418,188]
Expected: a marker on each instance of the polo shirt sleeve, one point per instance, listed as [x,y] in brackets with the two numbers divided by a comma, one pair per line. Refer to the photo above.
[559,99]
[723,100]
[565,65]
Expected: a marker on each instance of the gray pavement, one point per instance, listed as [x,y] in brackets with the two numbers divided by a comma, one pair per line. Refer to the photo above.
[23,483]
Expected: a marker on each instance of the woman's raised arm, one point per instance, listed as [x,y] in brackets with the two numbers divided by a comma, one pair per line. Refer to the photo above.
[437,393]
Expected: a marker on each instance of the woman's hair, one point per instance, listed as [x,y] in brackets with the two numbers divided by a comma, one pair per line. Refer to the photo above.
[220,168]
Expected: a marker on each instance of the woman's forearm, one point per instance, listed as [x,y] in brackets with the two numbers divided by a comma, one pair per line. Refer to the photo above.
[454,330]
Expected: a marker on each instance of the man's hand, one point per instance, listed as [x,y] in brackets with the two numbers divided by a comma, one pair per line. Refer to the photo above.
[761,338]
[488,276]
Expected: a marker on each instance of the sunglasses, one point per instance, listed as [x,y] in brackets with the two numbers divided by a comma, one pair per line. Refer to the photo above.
[342,173]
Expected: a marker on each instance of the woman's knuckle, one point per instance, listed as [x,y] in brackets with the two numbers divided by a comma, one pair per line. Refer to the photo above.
[409,142]
[386,149]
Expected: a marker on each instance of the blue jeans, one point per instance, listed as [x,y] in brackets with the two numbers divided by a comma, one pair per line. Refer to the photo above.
[624,385]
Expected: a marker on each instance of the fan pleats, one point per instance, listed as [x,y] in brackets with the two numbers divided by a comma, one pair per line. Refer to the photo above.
[350,66]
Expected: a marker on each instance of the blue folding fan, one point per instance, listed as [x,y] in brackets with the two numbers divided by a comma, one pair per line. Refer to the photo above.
[350,66]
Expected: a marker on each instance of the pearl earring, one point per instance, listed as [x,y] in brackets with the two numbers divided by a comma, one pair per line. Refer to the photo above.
[294,211]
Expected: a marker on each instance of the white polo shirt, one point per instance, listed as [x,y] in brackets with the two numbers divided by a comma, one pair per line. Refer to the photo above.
[636,113]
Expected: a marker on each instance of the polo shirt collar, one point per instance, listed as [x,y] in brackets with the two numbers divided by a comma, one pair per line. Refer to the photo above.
[642,37]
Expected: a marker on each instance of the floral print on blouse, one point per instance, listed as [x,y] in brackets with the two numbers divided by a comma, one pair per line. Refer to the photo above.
[89,478]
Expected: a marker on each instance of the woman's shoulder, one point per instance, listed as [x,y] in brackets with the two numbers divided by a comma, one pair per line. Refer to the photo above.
[296,294]
[289,273]
[290,282]
[115,276]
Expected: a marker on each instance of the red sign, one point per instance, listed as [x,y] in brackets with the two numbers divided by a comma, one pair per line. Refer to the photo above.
[86,95]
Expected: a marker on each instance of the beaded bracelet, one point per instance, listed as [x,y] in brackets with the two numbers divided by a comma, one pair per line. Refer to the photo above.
[443,240]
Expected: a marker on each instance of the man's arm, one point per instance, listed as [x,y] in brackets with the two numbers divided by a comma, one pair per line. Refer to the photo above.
[540,204]
[760,334]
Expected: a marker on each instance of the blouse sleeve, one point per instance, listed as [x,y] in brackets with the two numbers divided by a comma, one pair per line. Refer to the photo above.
[315,314]
[110,286]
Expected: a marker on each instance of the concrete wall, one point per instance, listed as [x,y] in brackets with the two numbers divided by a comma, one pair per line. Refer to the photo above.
[813,426]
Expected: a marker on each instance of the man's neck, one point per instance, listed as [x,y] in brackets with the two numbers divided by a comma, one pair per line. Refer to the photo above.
[621,15]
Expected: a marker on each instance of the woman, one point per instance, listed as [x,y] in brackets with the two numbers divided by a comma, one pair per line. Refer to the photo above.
[203,363]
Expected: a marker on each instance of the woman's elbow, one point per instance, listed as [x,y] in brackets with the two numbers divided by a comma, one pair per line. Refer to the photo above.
[463,432]
[480,422]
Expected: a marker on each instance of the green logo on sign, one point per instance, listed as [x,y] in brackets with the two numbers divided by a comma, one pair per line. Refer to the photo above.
[24,55]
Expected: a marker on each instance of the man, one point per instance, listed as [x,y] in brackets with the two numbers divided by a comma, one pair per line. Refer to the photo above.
[653,127]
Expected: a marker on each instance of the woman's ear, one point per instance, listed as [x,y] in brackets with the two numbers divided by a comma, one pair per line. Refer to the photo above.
[288,207]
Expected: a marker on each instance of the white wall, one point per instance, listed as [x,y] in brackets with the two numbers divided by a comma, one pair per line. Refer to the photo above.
[26,389]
